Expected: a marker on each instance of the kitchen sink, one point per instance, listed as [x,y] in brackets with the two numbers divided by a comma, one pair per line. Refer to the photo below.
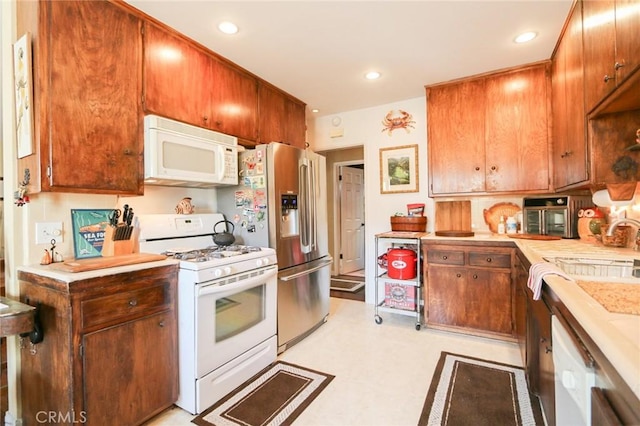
[600,268]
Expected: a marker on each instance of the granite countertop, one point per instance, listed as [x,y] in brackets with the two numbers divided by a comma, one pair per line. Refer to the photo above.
[616,334]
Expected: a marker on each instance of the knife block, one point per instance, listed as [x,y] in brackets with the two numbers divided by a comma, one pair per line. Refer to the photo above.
[119,247]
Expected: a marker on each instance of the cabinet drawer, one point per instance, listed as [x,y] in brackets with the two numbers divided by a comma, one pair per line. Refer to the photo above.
[125,305]
[446,257]
[488,259]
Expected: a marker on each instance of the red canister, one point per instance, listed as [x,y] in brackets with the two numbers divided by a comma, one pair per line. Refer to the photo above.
[401,264]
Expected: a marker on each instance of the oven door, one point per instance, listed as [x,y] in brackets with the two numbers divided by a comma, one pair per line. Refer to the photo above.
[555,221]
[233,315]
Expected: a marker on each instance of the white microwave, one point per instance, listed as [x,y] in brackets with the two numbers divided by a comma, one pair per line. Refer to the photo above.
[178,154]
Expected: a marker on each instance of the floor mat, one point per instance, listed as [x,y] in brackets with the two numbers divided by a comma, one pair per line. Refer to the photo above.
[349,283]
[275,396]
[490,393]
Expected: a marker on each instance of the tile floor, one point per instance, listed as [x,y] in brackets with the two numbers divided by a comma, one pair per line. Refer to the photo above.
[382,371]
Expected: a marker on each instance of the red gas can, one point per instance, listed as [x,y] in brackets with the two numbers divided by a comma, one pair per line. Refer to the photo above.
[401,264]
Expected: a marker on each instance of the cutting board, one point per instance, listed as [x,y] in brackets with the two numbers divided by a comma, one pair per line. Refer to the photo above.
[82,265]
[534,237]
[453,216]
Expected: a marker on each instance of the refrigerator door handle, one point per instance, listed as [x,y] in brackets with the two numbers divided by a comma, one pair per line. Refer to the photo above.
[309,271]
[306,240]
[313,229]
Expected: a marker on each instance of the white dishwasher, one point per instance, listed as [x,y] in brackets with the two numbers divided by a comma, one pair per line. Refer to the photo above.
[574,377]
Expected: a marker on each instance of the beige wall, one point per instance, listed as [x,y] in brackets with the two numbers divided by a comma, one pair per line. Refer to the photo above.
[348,156]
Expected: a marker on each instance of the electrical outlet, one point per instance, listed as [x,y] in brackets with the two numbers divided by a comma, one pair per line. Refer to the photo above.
[47,231]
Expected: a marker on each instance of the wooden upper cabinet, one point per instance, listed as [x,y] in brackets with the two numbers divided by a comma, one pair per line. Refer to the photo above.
[627,38]
[189,84]
[234,102]
[87,88]
[611,46]
[296,129]
[272,114]
[177,77]
[281,118]
[569,154]
[517,130]
[599,50]
[490,134]
[456,137]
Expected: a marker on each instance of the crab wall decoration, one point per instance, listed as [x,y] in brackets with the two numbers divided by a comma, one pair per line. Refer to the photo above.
[403,121]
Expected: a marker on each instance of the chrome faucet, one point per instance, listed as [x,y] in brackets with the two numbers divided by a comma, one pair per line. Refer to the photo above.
[613,225]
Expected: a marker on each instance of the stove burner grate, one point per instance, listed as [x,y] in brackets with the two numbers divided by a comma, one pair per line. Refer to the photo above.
[211,252]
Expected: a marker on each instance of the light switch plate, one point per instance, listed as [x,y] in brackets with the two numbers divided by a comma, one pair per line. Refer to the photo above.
[47,231]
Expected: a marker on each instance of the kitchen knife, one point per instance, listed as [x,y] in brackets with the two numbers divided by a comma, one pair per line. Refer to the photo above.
[125,212]
[128,220]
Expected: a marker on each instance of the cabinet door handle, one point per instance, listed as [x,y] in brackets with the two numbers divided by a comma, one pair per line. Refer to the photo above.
[133,302]
[618,65]
[566,154]
[547,349]
[607,78]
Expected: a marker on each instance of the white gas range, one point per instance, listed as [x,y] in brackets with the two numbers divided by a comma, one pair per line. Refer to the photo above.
[227,301]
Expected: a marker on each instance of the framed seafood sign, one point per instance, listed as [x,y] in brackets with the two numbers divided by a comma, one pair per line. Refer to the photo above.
[23,84]
[399,169]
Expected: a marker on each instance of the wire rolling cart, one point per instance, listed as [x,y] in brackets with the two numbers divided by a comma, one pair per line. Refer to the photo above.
[398,296]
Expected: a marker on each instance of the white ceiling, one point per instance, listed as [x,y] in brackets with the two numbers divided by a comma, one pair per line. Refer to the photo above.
[319,51]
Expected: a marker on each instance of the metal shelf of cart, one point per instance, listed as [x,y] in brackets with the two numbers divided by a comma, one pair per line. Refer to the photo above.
[398,295]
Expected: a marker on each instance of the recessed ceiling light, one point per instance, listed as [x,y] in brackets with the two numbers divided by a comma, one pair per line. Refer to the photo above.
[228,27]
[372,75]
[525,37]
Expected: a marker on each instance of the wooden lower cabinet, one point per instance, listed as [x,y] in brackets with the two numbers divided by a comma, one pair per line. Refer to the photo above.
[469,289]
[109,354]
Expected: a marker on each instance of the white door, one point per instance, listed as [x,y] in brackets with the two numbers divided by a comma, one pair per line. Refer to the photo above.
[351,219]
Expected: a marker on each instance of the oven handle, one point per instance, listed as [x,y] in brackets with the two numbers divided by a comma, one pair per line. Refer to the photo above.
[321,265]
[269,273]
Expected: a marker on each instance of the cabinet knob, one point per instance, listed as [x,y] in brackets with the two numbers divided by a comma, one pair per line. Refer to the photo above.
[488,260]
[458,275]
[566,154]
[205,118]
[475,276]
[127,151]
[607,78]
[494,168]
[547,349]
[445,257]
[161,323]
[133,302]
[618,65]
[477,168]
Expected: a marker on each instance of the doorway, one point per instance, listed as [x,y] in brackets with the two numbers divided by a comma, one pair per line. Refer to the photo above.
[345,205]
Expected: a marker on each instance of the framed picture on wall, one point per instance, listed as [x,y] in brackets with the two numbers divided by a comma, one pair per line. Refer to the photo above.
[399,169]
[23,86]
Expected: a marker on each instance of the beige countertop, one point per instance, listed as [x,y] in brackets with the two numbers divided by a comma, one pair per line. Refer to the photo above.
[68,277]
[617,335]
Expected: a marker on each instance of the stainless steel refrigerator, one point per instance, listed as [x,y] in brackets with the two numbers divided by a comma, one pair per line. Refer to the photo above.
[281,202]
